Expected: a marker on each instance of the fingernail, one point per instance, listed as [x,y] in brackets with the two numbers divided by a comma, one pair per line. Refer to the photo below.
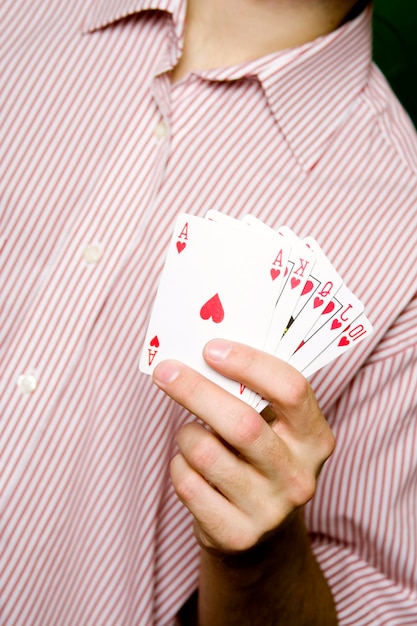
[218,349]
[166,372]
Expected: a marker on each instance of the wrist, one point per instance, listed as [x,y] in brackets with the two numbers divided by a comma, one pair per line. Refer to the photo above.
[286,548]
[277,581]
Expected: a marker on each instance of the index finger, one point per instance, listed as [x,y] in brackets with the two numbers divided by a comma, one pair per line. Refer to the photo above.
[283,386]
[231,418]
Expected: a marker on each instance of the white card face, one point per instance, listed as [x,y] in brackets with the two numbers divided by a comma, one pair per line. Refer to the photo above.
[343,309]
[254,222]
[282,268]
[282,260]
[324,282]
[356,332]
[218,281]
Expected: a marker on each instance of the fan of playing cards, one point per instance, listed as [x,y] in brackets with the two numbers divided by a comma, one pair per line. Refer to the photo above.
[243,281]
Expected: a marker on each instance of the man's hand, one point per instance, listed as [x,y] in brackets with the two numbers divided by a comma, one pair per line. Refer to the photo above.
[243,480]
[244,476]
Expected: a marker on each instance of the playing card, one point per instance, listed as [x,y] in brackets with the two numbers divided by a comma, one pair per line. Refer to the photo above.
[296,287]
[352,335]
[343,309]
[223,218]
[320,287]
[283,247]
[243,281]
[218,281]
[282,268]
[280,264]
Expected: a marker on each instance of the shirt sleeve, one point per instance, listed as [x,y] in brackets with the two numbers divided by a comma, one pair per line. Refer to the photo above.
[363,521]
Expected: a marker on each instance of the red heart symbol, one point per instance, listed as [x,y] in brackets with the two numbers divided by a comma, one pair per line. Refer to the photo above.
[307,287]
[344,341]
[275,273]
[180,246]
[213,308]
[317,302]
[154,342]
[329,308]
[335,324]
[294,282]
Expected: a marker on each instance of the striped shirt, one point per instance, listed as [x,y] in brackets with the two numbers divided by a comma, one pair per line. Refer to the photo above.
[99,154]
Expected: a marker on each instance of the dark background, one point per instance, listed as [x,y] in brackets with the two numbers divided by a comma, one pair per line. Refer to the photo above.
[395,48]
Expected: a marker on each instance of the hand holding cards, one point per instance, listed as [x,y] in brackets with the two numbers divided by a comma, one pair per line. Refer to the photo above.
[242,281]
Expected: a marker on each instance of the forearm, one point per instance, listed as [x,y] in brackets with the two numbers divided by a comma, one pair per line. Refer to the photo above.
[276,583]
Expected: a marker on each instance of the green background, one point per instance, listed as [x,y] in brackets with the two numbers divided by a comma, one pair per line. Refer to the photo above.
[395,48]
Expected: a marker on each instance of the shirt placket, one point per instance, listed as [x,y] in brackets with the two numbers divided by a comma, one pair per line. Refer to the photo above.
[74,290]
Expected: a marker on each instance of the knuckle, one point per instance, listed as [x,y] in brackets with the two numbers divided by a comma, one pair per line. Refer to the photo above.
[303,489]
[328,444]
[214,531]
[199,447]
[186,487]
[202,454]
[243,538]
[326,449]
[247,428]
[298,390]
[185,481]
[325,443]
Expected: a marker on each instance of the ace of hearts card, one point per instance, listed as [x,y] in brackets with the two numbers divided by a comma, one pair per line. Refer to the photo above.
[214,284]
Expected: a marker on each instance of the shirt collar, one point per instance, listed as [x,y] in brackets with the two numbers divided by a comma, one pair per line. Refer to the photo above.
[310,89]
[312,94]
[105,12]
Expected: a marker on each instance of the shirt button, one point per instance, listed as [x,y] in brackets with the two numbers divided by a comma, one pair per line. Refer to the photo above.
[160,130]
[92,254]
[27,383]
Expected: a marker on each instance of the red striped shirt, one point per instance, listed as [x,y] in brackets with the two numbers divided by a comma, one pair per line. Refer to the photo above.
[100,153]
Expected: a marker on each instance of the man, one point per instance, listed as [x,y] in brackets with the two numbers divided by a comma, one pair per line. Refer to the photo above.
[117,117]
